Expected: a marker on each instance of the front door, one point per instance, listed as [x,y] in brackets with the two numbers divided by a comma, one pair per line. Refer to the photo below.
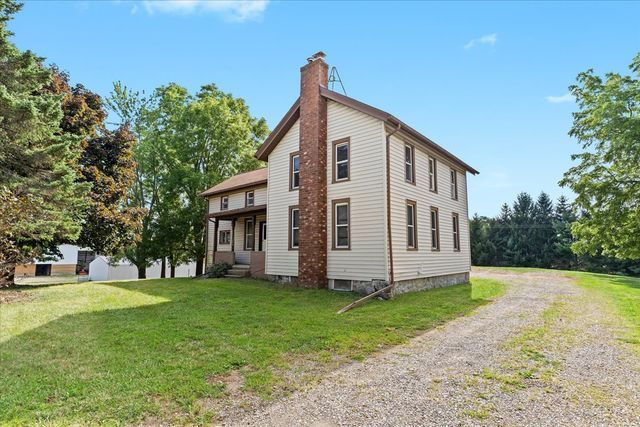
[263,236]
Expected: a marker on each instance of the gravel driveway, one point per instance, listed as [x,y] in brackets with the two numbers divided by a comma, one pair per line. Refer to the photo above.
[546,353]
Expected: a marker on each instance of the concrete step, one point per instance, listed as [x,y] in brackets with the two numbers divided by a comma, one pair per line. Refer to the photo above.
[235,276]
[240,266]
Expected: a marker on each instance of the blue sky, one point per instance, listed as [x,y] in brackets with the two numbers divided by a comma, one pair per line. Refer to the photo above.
[485,80]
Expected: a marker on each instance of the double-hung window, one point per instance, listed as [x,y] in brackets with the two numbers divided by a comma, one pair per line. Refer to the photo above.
[433,175]
[341,224]
[454,184]
[224,203]
[410,164]
[249,198]
[456,232]
[225,237]
[341,156]
[435,230]
[412,227]
[294,171]
[249,234]
[294,227]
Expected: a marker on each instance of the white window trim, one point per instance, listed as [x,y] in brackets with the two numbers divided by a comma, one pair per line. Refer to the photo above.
[252,198]
[224,203]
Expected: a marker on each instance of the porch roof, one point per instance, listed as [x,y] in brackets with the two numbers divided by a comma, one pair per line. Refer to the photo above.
[234,213]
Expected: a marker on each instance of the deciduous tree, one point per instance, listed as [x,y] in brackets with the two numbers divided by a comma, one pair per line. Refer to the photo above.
[606,179]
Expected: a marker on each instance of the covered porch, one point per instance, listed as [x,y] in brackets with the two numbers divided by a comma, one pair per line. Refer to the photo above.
[238,237]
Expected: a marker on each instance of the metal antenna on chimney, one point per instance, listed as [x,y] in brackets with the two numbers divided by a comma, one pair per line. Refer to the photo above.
[334,77]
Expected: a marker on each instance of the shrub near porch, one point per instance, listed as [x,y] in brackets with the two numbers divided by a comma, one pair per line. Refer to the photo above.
[120,352]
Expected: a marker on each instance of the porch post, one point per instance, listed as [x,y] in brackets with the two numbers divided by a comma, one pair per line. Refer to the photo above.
[233,235]
[254,234]
[215,240]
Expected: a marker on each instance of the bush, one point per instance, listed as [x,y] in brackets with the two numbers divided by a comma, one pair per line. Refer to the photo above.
[218,269]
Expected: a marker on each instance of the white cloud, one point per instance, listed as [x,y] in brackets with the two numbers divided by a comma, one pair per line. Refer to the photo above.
[234,10]
[489,39]
[560,99]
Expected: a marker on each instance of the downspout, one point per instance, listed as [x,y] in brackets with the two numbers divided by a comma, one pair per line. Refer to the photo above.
[389,236]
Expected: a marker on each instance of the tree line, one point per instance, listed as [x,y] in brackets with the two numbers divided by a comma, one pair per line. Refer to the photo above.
[538,233]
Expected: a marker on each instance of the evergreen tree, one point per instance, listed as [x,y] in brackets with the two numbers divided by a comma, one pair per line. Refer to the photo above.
[543,231]
[564,216]
[520,248]
[39,183]
[500,234]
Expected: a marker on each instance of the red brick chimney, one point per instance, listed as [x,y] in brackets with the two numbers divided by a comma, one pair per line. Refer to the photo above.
[312,250]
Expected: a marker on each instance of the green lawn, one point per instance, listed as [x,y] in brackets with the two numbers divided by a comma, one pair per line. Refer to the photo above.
[623,293]
[119,352]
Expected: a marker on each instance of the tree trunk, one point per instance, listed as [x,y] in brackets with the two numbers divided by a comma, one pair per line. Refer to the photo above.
[163,268]
[173,270]
[142,271]
[199,267]
[7,276]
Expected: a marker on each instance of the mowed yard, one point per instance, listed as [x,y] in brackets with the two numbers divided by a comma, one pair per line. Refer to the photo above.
[162,350]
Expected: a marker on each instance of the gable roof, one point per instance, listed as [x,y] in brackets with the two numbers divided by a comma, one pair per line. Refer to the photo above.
[237,182]
[294,113]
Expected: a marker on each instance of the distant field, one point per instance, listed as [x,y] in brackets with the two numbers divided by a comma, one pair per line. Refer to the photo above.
[123,352]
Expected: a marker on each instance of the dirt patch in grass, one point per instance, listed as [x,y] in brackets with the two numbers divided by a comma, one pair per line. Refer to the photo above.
[9,296]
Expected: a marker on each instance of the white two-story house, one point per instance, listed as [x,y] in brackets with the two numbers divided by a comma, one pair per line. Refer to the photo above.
[350,195]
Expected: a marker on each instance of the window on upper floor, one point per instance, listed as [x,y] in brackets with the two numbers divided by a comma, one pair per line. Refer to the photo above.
[454,184]
[341,157]
[341,224]
[224,203]
[433,175]
[410,164]
[249,198]
[412,229]
[435,230]
[294,171]
[456,232]
[294,227]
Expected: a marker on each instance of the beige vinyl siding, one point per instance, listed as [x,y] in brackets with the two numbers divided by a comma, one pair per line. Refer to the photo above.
[367,258]
[424,262]
[280,260]
[236,199]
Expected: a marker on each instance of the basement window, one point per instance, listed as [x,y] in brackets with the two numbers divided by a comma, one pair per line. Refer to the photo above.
[342,285]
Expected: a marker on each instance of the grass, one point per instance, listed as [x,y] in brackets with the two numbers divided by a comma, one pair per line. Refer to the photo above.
[115,353]
[622,293]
